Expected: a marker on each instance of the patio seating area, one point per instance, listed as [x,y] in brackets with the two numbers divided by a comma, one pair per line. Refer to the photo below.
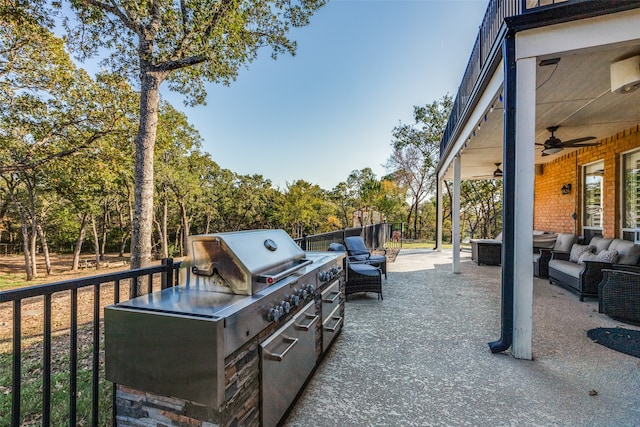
[420,357]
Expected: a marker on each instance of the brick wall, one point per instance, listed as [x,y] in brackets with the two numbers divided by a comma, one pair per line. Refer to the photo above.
[553,210]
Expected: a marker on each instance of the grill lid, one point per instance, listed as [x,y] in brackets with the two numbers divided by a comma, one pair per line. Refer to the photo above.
[242,262]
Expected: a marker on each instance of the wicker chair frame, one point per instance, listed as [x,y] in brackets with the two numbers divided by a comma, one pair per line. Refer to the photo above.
[619,295]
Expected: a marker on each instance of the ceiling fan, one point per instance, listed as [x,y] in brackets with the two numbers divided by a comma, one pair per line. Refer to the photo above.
[498,172]
[554,145]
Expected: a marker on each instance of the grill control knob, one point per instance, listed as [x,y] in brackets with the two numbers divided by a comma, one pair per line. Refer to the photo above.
[310,290]
[273,314]
[286,306]
[294,300]
[302,293]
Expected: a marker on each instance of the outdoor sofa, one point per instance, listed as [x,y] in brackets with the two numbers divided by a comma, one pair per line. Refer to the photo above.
[581,269]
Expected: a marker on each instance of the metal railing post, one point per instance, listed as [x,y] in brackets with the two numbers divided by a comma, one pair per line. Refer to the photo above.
[167,277]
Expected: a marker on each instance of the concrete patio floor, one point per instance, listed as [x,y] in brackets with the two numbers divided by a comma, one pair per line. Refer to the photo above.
[420,357]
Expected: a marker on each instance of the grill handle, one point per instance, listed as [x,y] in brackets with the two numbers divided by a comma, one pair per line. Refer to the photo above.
[336,326]
[270,279]
[279,357]
[336,295]
[306,327]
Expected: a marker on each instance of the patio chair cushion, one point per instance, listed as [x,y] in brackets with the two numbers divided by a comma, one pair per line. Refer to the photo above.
[577,251]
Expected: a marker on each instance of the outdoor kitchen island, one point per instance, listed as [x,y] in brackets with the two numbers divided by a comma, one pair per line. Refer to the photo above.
[235,342]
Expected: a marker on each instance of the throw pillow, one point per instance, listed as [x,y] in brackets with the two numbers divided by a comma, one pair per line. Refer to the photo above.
[577,250]
[587,256]
[607,256]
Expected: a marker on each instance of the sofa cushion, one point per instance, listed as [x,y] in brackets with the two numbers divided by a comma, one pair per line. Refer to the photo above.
[587,256]
[564,242]
[577,250]
[599,244]
[603,256]
[607,256]
[628,252]
[567,267]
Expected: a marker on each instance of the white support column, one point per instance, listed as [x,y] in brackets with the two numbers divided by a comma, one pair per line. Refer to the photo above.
[523,212]
[455,215]
[439,214]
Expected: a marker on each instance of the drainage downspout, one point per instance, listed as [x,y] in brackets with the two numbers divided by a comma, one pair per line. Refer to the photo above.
[509,193]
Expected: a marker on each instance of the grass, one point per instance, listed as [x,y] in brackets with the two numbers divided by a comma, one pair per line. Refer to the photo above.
[31,386]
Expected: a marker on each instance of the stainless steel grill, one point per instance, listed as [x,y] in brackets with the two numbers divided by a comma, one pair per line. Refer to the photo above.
[233,288]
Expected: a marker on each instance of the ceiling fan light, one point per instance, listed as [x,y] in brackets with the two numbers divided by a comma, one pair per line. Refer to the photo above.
[551,150]
[498,172]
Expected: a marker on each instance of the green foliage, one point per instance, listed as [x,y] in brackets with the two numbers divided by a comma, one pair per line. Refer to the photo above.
[416,152]
[67,140]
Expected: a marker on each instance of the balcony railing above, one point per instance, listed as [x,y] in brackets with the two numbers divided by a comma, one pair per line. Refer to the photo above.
[486,43]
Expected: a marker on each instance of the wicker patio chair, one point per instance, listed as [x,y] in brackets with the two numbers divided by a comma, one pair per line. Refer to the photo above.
[619,295]
[357,250]
[360,276]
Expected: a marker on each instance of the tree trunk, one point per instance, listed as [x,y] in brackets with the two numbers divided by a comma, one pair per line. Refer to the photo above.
[207,224]
[79,241]
[45,249]
[25,240]
[162,226]
[96,242]
[142,224]
[33,244]
[125,235]
[105,221]
[185,228]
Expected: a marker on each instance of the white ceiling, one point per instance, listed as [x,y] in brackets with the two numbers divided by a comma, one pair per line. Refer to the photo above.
[574,94]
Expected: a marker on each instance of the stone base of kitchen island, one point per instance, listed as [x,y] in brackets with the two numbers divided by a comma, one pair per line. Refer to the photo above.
[135,408]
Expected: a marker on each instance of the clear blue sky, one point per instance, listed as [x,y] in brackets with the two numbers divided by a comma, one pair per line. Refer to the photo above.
[360,67]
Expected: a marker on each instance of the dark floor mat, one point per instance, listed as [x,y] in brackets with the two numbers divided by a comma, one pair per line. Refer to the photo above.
[625,341]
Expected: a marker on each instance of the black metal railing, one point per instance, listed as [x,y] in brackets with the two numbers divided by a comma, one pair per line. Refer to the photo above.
[160,277]
[484,47]
[375,236]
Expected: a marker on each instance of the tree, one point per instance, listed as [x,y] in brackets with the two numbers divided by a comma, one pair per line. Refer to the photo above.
[51,112]
[305,209]
[417,151]
[185,43]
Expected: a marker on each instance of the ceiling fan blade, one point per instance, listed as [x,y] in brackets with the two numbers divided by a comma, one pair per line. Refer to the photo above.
[590,144]
[577,140]
[537,143]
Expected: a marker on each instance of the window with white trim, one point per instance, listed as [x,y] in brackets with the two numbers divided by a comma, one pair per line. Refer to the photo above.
[592,187]
[631,193]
